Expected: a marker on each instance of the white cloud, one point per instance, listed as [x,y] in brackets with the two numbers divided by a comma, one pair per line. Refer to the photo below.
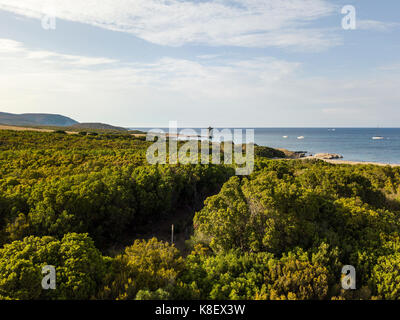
[175,75]
[254,92]
[245,23]
[48,81]
[209,56]
[376,25]
[391,67]
[342,111]
[8,47]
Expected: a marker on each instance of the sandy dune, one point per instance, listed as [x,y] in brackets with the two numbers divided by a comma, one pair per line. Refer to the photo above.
[15,128]
[4,127]
[334,161]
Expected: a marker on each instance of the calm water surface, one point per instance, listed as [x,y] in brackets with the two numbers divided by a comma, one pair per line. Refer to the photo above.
[354,144]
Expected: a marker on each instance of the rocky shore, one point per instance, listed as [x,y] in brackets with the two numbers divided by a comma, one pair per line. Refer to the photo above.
[328,156]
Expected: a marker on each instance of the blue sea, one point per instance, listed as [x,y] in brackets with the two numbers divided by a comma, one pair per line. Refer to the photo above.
[355,144]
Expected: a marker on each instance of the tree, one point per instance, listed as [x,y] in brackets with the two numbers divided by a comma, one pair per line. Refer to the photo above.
[80,267]
[149,267]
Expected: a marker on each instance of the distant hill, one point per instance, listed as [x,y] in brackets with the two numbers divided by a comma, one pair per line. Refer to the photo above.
[36,119]
[97,126]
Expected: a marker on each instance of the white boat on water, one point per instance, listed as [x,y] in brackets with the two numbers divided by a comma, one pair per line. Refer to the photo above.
[300,138]
[285,137]
[378,138]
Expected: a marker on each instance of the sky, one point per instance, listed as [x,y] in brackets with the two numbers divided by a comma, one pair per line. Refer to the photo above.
[224,63]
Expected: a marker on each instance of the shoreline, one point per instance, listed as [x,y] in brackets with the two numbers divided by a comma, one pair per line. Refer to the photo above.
[290,155]
[338,161]
[20,128]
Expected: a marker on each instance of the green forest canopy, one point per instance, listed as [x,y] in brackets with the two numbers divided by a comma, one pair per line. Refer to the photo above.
[284,232]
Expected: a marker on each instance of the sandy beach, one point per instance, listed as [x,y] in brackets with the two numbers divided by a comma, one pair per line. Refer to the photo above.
[16,128]
[352,162]
[290,154]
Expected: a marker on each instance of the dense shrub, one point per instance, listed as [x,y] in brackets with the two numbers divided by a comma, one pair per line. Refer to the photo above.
[283,232]
[80,268]
[145,270]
